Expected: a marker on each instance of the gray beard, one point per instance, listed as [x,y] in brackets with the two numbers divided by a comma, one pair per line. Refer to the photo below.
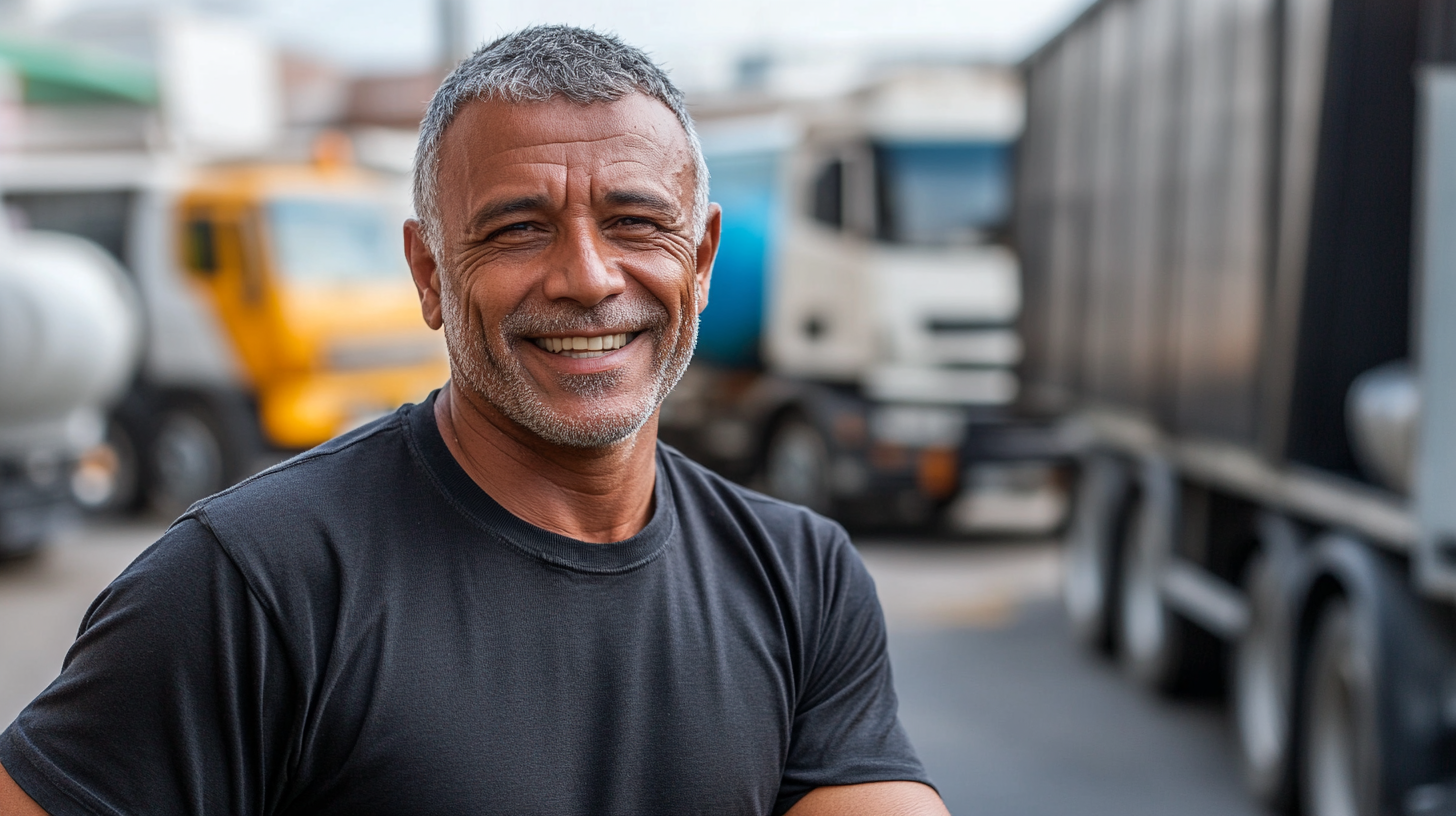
[488,365]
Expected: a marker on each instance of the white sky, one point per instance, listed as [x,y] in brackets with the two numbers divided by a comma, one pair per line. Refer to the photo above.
[698,40]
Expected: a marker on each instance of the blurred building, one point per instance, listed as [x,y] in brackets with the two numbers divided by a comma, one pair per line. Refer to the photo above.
[209,84]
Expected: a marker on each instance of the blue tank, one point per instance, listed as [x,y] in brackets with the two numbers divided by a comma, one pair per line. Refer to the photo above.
[746,185]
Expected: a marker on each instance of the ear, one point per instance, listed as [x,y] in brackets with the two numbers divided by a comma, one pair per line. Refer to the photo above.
[707,251]
[424,270]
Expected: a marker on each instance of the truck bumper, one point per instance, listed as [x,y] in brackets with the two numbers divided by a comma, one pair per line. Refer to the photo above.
[35,502]
[1012,480]
[1005,476]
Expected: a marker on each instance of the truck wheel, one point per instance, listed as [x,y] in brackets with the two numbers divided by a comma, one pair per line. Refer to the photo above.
[1090,568]
[796,465]
[192,456]
[1261,692]
[1151,637]
[115,486]
[1340,739]
[1261,676]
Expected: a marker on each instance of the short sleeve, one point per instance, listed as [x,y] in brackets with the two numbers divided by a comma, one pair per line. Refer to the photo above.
[846,727]
[175,698]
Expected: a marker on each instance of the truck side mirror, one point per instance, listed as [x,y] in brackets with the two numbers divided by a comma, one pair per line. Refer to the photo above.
[200,247]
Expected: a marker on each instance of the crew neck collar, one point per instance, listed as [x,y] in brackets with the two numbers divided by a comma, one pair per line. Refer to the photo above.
[544,545]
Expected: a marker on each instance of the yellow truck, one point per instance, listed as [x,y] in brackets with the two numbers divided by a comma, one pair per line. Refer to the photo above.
[278,310]
[276,307]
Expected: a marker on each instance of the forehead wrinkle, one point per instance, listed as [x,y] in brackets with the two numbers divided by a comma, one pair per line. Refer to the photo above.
[654,177]
[477,197]
[563,147]
[557,154]
[561,165]
[661,177]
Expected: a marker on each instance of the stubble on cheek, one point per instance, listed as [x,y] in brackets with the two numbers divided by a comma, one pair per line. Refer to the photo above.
[464,343]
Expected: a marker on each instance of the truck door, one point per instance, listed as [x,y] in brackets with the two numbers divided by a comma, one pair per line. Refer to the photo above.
[819,325]
[216,254]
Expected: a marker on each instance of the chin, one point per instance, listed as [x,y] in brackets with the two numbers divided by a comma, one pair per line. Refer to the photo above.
[588,435]
[587,426]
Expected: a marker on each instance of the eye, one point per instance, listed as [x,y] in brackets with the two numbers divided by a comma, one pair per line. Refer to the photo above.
[513,231]
[636,223]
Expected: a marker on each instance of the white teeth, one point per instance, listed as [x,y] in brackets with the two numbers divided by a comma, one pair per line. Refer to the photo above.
[584,346]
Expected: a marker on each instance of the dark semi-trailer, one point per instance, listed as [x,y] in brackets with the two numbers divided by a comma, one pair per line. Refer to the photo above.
[1237,226]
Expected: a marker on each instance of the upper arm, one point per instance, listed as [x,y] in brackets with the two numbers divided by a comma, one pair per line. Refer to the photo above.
[174,699]
[871,799]
[14,801]
[846,731]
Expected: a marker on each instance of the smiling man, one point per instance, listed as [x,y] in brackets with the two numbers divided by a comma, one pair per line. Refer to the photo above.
[510,598]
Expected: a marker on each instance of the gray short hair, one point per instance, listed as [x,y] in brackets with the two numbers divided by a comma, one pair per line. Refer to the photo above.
[539,64]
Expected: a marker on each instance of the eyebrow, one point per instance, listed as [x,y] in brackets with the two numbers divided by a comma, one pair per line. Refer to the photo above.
[497,209]
[641,198]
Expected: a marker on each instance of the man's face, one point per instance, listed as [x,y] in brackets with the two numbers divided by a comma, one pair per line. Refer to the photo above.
[566,226]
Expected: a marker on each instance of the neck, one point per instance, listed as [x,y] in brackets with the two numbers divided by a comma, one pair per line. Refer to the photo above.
[589,494]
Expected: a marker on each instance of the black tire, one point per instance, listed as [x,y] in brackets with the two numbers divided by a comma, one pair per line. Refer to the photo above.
[1089,576]
[1157,646]
[1340,756]
[122,489]
[195,451]
[1260,686]
[1261,667]
[1372,683]
[796,465]
[1150,636]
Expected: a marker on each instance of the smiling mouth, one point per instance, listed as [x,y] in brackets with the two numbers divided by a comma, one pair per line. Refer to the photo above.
[584,346]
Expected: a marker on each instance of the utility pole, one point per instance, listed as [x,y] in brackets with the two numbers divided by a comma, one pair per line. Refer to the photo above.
[454,37]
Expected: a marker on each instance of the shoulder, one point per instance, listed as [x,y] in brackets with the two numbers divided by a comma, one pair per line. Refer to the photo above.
[791,536]
[320,481]
[702,486]
[299,525]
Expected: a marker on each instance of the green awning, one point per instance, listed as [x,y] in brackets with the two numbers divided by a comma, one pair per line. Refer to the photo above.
[58,73]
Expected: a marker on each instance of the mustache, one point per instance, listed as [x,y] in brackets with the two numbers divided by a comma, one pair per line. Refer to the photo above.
[614,314]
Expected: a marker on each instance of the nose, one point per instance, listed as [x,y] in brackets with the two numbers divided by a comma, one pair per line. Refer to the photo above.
[582,270]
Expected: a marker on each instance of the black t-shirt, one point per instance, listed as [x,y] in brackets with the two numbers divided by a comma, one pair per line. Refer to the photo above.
[363,630]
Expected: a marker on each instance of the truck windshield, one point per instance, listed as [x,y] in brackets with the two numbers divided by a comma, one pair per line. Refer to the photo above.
[942,193]
[320,240]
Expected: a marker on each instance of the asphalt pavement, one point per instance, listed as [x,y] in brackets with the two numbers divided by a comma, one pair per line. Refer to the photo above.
[1010,716]
[1013,719]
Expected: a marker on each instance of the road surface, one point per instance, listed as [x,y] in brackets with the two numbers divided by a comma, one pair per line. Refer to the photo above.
[1013,719]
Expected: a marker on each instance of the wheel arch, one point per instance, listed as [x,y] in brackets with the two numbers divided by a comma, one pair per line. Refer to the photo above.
[1413,657]
[813,404]
[1339,567]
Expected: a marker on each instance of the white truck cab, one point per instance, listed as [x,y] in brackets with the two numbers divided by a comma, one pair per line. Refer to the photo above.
[859,352]
[892,270]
